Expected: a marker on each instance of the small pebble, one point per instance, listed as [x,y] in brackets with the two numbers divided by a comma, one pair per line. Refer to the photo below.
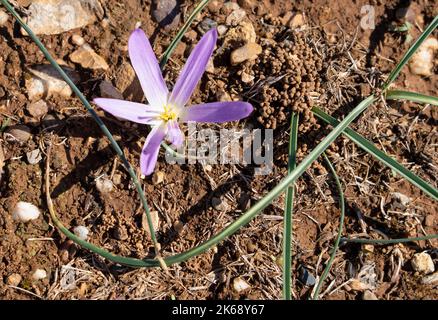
[369,295]
[306,277]
[206,25]
[235,17]
[178,226]
[249,51]
[81,232]
[422,62]
[14,279]
[422,262]
[369,248]
[219,204]
[34,156]
[222,29]
[77,40]
[88,58]
[39,274]
[155,221]
[240,285]
[19,132]
[104,185]
[230,7]
[158,177]
[430,279]
[120,233]
[117,178]
[429,221]
[38,109]
[107,90]
[166,13]
[25,211]
[404,200]
[297,21]
[3,18]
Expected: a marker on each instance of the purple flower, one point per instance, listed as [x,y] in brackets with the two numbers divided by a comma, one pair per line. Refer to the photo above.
[166,110]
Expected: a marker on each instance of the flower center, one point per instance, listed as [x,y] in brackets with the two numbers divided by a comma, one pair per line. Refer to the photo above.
[168,114]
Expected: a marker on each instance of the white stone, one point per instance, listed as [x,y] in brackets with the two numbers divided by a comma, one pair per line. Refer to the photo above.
[155,221]
[422,262]
[240,285]
[77,40]
[25,211]
[3,18]
[235,17]
[422,61]
[44,81]
[39,274]
[104,185]
[81,232]
[57,16]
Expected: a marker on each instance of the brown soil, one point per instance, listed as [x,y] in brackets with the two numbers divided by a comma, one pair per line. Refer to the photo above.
[320,72]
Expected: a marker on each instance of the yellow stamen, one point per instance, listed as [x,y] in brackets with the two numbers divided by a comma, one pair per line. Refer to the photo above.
[168,114]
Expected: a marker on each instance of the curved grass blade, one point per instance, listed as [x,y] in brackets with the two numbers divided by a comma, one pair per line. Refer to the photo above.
[181,32]
[395,72]
[287,223]
[341,225]
[93,113]
[369,147]
[411,96]
[389,241]
[245,218]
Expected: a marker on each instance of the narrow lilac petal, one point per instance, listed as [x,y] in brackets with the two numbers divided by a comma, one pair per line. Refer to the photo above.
[146,67]
[217,112]
[174,133]
[193,69]
[149,154]
[136,112]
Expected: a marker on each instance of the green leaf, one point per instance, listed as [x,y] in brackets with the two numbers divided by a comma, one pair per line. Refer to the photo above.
[389,241]
[341,225]
[288,210]
[411,96]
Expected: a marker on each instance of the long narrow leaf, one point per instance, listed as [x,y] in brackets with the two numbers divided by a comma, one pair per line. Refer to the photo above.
[389,241]
[369,147]
[395,72]
[411,96]
[341,226]
[289,205]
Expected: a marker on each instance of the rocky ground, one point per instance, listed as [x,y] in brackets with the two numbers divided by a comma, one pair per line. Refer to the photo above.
[283,57]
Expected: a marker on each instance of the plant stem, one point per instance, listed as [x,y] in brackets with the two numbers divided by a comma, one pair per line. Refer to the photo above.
[288,211]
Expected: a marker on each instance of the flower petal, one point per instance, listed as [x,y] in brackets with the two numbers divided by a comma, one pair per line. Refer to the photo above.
[174,133]
[217,112]
[149,154]
[136,112]
[146,67]
[193,69]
